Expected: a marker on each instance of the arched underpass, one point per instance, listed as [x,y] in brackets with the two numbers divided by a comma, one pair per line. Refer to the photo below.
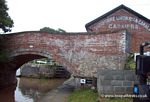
[33,89]
[43,68]
[43,89]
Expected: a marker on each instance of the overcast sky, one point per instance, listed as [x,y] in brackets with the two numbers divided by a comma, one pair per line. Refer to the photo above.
[70,15]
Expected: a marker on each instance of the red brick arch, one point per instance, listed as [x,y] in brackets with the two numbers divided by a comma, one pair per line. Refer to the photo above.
[24,55]
[81,53]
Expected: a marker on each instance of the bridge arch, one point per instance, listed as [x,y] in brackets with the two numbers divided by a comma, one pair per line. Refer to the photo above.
[22,56]
[81,53]
[27,46]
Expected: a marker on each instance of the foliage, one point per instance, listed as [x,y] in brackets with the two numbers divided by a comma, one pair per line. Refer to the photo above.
[4,56]
[130,63]
[83,95]
[88,95]
[61,30]
[51,30]
[6,23]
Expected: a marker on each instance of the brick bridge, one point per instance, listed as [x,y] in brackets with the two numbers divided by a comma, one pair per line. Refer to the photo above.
[81,53]
[118,32]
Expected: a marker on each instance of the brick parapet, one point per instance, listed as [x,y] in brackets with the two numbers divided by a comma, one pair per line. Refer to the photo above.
[82,54]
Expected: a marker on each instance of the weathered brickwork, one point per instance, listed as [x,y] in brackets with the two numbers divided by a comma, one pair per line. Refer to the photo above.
[82,54]
[121,82]
[104,46]
[139,30]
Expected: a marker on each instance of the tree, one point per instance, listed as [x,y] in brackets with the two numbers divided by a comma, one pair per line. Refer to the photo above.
[51,30]
[6,23]
[61,30]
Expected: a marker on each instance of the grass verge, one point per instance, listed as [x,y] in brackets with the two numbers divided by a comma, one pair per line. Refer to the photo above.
[88,95]
[83,95]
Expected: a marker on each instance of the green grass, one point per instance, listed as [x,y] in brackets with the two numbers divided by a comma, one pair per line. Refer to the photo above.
[83,95]
[88,95]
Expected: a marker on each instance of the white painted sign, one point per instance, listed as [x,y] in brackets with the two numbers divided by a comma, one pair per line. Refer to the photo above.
[137,22]
[123,26]
[82,81]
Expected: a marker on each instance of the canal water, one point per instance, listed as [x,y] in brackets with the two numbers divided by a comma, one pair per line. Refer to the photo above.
[32,90]
[36,90]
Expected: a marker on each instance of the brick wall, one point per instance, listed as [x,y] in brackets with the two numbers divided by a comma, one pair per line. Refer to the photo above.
[81,53]
[139,30]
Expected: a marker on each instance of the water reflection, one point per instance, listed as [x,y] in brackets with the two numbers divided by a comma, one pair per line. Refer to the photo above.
[29,90]
[33,89]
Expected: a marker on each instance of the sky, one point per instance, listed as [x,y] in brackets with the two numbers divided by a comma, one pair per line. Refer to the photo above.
[70,15]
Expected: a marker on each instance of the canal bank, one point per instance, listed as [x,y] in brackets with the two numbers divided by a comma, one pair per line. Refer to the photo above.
[43,71]
[35,89]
